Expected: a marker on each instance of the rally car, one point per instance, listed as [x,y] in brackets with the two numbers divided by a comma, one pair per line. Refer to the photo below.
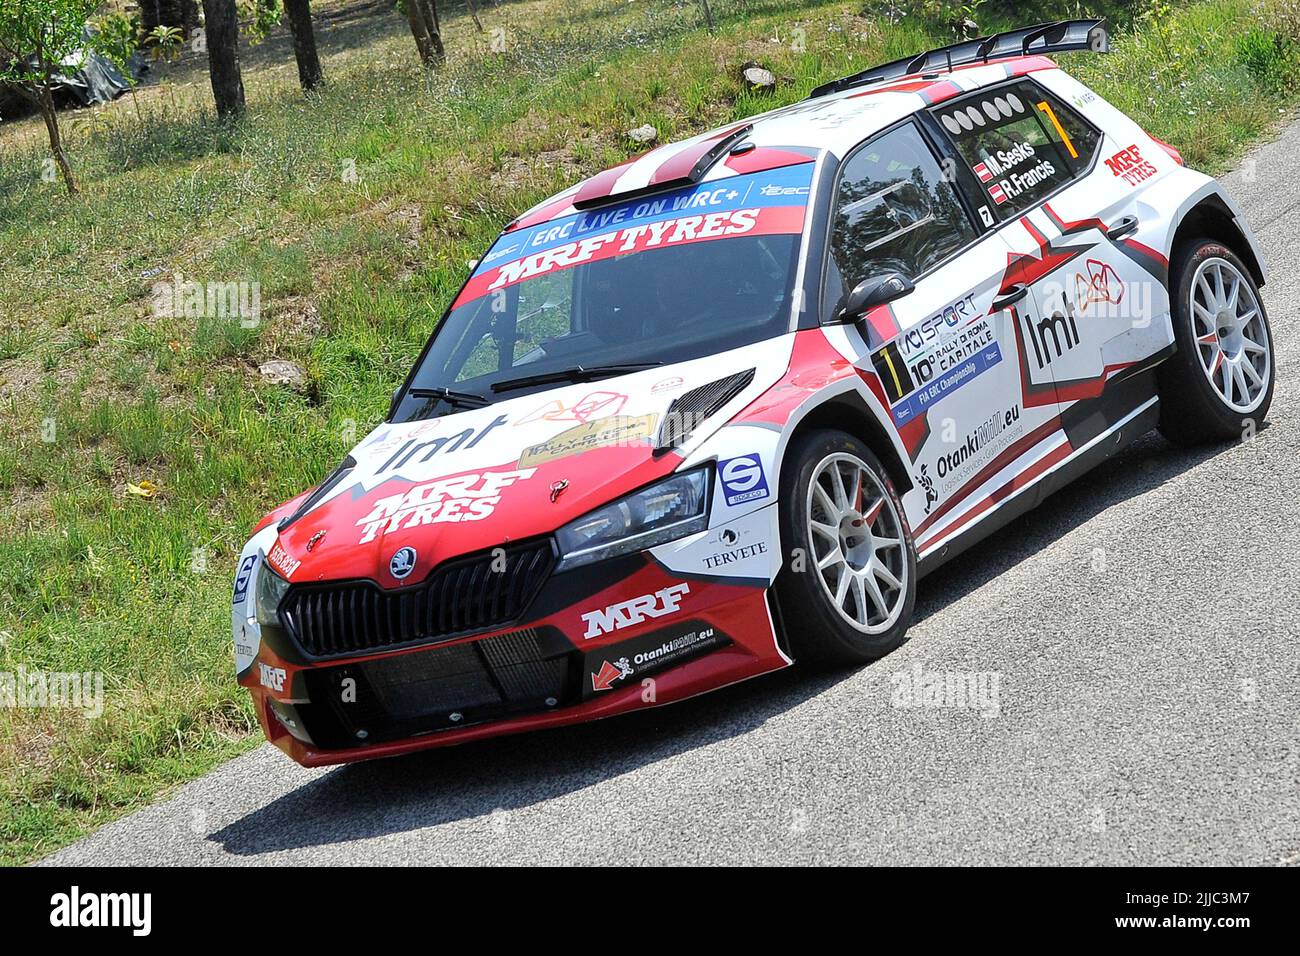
[716,410]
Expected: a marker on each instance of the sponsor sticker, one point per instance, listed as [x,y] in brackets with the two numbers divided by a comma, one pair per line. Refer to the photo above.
[926,335]
[612,666]
[419,452]
[926,482]
[615,431]
[724,558]
[1053,335]
[1129,165]
[590,406]
[743,479]
[1101,284]
[979,447]
[771,202]
[470,497]
[282,561]
[272,678]
[242,577]
[639,609]
[920,401]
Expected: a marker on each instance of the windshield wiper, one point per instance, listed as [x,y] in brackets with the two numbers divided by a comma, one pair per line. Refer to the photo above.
[451,397]
[579,373]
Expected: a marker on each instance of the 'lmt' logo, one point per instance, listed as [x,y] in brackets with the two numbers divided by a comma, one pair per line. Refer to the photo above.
[1060,326]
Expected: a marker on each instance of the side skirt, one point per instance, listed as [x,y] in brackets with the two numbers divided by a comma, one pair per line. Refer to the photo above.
[1107,443]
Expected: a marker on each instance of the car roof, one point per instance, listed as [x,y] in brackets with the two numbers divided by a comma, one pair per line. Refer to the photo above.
[801,132]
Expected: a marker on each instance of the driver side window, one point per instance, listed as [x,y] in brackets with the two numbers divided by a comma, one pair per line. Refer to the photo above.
[519,324]
[544,314]
[895,211]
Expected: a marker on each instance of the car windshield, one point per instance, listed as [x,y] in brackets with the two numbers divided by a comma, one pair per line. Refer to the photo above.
[664,279]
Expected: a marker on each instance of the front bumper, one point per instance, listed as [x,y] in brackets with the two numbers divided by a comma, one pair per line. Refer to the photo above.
[540,672]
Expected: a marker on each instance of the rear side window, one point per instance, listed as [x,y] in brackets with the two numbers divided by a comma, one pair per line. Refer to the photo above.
[1021,142]
[895,211]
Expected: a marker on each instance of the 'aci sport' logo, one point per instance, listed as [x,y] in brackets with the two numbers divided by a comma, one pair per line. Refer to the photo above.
[743,479]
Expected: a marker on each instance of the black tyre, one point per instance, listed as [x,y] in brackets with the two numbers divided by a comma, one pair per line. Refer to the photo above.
[1219,385]
[848,584]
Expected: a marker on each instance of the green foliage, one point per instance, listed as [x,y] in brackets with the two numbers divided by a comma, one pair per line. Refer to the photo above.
[258,18]
[165,43]
[49,30]
[118,37]
[1270,57]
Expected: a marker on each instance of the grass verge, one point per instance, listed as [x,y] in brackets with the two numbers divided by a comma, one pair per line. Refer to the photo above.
[355,213]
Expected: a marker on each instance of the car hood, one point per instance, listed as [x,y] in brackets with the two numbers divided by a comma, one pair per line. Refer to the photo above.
[478,479]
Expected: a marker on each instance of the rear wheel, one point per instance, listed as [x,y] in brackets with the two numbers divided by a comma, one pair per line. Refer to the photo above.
[1219,385]
[848,584]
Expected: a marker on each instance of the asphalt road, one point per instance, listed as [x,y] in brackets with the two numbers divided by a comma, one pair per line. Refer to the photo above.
[1148,703]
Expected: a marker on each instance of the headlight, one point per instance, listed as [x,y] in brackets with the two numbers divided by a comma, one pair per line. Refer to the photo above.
[665,511]
[268,595]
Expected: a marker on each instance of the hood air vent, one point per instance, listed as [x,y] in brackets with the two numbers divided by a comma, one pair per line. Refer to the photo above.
[691,409]
[312,500]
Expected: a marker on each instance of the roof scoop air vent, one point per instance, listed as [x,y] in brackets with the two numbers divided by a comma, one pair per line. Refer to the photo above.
[691,409]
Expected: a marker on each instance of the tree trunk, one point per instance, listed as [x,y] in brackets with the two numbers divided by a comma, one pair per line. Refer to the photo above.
[45,99]
[473,12]
[304,43]
[420,32]
[190,16]
[183,14]
[708,14]
[167,13]
[423,17]
[430,8]
[222,26]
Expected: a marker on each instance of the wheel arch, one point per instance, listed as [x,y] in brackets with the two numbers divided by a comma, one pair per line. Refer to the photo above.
[1213,218]
[847,412]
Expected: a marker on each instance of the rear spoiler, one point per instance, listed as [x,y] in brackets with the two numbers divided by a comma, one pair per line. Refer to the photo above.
[1064,36]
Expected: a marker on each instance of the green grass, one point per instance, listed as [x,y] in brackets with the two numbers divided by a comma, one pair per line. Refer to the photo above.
[96,391]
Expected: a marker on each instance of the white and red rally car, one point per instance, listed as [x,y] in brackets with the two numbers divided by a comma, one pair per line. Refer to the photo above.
[717,409]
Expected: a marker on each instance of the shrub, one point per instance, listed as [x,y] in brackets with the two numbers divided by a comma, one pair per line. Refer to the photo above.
[1270,58]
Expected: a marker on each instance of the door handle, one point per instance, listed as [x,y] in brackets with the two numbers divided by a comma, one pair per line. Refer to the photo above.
[1125,227]
[1010,297]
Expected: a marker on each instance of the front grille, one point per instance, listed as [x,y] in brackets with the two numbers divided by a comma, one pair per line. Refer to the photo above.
[444,679]
[442,687]
[468,594]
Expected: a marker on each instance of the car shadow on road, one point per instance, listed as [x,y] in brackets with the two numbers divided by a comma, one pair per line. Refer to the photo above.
[466,782]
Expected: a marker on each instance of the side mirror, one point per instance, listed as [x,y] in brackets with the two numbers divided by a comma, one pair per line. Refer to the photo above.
[869,293]
[392,402]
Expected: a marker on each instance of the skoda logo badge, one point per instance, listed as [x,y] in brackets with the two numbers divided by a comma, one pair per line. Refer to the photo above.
[402,563]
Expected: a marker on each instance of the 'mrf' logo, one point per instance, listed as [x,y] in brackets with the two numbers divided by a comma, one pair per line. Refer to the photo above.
[664,601]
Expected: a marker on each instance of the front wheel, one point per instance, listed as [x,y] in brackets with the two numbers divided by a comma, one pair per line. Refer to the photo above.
[848,584]
[1219,384]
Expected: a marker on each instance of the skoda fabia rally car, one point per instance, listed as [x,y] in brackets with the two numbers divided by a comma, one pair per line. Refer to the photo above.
[716,410]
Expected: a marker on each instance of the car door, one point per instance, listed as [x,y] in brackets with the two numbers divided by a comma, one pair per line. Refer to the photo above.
[943,353]
[1089,306]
